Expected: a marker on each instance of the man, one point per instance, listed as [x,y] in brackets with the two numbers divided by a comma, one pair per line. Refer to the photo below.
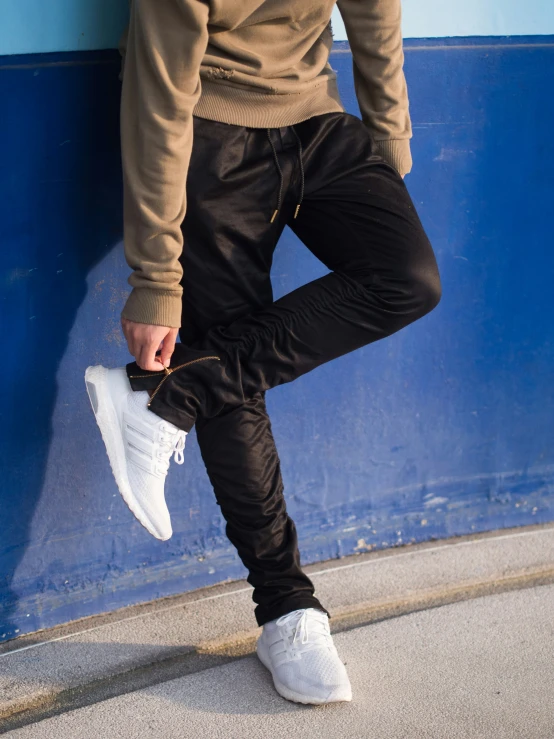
[232,128]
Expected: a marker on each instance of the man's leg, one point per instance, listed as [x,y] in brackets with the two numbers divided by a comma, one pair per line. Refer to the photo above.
[243,466]
[226,262]
[358,218]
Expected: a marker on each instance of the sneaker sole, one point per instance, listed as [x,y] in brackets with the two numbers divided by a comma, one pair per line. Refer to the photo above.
[108,423]
[285,692]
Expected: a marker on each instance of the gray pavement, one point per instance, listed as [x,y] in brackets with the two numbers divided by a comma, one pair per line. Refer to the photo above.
[112,660]
[478,668]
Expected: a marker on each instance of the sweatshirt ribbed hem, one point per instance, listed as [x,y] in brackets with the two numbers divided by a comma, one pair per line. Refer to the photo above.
[156,307]
[396,152]
[240,107]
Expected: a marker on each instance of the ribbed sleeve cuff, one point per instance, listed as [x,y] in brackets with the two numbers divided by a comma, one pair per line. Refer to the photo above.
[396,152]
[156,307]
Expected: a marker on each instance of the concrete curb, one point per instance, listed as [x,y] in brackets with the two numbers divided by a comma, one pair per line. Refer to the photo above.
[95,659]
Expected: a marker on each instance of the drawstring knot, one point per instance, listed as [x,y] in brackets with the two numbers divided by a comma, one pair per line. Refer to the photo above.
[281,177]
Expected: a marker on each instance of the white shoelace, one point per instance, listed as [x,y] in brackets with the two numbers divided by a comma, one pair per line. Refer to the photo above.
[171,442]
[303,627]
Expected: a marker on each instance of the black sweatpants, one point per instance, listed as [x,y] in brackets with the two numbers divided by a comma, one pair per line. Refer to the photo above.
[357,217]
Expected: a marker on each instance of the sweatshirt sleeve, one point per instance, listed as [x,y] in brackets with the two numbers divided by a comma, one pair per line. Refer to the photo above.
[164,47]
[374,32]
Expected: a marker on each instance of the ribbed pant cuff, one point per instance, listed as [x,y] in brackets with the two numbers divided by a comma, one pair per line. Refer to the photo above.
[178,418]
[149,381]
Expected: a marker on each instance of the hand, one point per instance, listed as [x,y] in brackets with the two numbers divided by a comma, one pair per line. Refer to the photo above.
[144,340]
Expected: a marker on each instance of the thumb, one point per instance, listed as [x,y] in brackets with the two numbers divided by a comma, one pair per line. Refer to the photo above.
[168,347]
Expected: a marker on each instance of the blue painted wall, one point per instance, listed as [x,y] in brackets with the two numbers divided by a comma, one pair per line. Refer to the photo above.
[444,429]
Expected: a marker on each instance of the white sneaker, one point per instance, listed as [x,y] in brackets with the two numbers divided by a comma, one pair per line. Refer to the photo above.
[298,650]
[139,445]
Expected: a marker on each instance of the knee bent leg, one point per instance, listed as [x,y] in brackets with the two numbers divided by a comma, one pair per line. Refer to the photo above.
[407,297]
[427,291]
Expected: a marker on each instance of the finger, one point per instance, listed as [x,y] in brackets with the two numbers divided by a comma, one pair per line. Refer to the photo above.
[168,347]
[132,346]
[128,334]
[147,358]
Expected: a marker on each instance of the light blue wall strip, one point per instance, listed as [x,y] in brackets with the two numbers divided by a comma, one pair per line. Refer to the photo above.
[38,26]
[35,26]
[438,18]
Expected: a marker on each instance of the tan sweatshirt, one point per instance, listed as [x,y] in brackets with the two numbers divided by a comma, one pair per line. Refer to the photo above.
[259,63]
